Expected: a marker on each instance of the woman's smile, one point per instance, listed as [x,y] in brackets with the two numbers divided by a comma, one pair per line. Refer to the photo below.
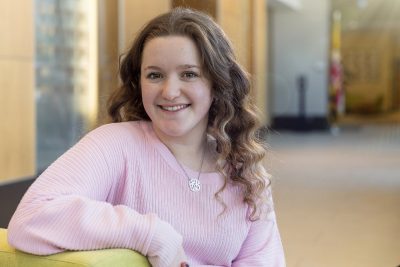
[173,108]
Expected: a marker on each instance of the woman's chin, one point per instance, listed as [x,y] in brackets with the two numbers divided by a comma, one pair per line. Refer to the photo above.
[170,131]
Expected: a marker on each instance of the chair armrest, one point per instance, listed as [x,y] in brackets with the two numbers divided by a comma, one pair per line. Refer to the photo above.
[11,257]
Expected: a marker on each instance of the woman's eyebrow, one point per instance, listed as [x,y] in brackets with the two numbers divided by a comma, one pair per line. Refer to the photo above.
[183,66]
[188,66]
[152,67]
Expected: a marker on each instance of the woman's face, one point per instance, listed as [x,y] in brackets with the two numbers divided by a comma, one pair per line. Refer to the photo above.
[176,93]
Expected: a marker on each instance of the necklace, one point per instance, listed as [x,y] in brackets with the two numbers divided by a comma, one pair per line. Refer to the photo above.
[193,183]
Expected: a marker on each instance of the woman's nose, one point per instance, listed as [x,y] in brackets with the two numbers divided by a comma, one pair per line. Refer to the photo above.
[171,89]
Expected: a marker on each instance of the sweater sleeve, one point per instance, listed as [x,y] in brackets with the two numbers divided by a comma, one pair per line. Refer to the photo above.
[263,246]
[67,208]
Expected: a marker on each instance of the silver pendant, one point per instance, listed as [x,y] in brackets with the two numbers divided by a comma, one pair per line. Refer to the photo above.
[194,185]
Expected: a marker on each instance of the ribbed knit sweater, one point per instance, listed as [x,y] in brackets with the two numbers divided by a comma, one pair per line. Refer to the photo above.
[121,187]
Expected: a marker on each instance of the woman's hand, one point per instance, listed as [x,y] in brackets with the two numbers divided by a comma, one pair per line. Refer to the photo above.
[180,259]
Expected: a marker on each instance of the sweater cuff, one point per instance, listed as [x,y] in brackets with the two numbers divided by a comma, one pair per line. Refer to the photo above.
[164,244]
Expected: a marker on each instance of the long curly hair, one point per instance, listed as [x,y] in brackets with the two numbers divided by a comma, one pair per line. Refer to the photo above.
[233,121]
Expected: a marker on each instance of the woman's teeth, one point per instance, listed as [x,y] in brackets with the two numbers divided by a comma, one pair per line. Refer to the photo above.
[174,108]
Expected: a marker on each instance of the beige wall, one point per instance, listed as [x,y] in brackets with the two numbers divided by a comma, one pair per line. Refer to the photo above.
[234,18]
[17,127]
[108,53]
[259,59]
[244,21]
[133,14]
[206,6]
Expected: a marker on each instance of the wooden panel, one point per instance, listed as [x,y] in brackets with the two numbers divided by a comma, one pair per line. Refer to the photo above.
[17,135]
[16,28]
[134,14]
[259,57]
[245,24]
[107,53]
[207,6]
[17,127]
[234,18]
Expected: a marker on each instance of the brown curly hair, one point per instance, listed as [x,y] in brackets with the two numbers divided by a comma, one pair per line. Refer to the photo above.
[232,118]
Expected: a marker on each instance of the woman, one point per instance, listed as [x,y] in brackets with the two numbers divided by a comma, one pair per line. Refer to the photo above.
[177,176]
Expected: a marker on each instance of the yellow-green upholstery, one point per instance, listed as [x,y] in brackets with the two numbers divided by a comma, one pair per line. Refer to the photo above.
[10,257]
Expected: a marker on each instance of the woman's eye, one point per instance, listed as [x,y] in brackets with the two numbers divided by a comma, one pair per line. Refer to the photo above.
[153,76]
[190,75]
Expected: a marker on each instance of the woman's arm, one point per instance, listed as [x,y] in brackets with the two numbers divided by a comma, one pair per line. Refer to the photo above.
[66,208]
[263,246]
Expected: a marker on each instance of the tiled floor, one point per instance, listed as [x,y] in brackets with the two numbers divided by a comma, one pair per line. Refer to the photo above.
[337,197]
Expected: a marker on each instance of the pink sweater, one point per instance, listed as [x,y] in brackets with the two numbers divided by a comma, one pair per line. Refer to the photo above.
[120,187]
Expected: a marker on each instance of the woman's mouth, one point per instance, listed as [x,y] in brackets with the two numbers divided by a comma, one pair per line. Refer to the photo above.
[174,108]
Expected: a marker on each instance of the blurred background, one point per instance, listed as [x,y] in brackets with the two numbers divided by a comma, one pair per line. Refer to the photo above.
[326,81]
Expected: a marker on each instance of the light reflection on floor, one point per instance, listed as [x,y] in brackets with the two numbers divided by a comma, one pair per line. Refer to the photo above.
[338,196]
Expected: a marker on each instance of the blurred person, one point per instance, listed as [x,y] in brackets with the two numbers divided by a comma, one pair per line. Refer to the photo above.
[177,176]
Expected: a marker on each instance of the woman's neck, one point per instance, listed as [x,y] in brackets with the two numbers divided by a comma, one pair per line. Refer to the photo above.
[188,151]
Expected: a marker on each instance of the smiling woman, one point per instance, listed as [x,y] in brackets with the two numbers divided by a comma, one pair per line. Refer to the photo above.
[176,94]
[178,175]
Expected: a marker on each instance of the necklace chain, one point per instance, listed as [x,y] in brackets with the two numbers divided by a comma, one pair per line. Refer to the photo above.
[193,183]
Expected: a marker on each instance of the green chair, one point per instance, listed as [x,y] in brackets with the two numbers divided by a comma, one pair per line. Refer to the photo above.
[10,257]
